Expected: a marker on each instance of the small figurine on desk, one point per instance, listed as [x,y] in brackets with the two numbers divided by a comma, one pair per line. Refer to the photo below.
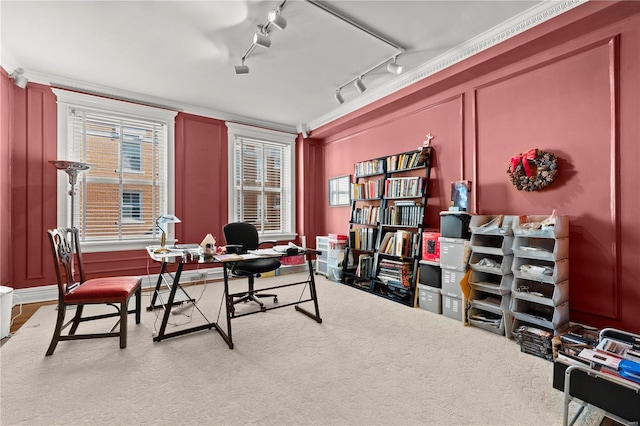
[425,150]
[208,245]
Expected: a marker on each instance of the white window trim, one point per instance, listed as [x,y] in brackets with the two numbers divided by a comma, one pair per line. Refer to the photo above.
[240,130]
[68,99]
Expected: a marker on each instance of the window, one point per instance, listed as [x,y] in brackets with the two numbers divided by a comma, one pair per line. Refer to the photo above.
[131,207]
[132,156]
[130,182]
[261,180]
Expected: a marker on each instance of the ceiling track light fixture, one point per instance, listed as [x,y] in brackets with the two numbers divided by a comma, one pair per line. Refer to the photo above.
[276,18]
[242,69]
[261,36]
[391,62]
[18,78]
[394,67]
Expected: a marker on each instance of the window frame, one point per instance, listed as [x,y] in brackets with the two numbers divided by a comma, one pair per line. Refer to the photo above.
[67,100]
[234,131]
[138,207]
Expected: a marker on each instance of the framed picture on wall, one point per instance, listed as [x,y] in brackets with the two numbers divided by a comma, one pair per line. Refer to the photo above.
[340,191]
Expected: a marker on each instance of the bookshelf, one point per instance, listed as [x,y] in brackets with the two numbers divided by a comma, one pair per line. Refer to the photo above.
[389,198]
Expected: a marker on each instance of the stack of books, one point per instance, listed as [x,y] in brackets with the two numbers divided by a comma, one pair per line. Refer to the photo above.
[395,272]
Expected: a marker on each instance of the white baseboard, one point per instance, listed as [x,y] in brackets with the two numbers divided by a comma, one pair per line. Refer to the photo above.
[50,292]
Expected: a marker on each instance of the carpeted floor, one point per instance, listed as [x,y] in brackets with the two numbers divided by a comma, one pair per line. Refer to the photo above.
[370,362]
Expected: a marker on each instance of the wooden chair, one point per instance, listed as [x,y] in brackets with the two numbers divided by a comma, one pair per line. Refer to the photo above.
[114,291]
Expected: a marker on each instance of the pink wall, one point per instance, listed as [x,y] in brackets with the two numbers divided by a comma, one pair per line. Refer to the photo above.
[570,87]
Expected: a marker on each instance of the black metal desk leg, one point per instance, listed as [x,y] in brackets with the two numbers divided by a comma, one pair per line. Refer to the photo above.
[163,270]
[314,296]
[169,304]
[228,307]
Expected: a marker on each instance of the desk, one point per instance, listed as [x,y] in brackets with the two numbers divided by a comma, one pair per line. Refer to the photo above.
[185,257]
[616,398]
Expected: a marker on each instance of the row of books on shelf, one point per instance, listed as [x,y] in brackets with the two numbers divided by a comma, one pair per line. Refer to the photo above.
[395,272]
[365,266]
[367,190]
[367,215]
[404,161]
[363,238]
[400,243]
[611,356]
[403,214]
[404,187]
[370,167]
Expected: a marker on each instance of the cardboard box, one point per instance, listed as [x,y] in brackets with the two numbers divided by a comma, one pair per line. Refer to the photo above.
[431,246]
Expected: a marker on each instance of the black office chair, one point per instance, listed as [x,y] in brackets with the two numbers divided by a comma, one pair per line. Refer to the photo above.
[241,237]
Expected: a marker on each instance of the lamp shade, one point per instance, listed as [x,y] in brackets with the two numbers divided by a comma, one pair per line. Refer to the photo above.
[360,85]
[339,97]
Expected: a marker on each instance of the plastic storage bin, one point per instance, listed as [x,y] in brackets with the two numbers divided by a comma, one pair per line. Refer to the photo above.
[455,225]
[454,253]
[429,298]
[451,282]
[430,275]
[452,307]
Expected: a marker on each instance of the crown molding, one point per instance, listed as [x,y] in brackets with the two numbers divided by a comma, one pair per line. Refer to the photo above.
[134,97]
[510,28]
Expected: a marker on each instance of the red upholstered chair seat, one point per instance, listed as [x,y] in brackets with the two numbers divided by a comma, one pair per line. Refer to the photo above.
[98,289]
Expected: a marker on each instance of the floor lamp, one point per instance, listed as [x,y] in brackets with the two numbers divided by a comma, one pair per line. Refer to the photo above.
[72,168]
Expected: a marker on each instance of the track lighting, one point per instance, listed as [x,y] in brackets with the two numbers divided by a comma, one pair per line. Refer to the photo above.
[339,97]
[394,67]
[261,38]
[242,69]
[359,85]
[18,78]
[277,19]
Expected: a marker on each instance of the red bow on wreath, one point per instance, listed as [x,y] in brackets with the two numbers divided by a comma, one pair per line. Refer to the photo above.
[524,158]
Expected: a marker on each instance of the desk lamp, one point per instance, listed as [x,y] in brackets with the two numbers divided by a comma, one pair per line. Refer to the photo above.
[162,220]
[72,168]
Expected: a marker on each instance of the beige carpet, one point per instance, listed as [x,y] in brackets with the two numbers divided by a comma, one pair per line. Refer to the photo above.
[370,362]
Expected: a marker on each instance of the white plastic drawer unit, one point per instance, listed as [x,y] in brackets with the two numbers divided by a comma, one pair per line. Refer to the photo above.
[322,244]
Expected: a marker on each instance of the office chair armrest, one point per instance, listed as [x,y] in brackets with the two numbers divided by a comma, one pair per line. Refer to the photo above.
[235,248]
[273,243]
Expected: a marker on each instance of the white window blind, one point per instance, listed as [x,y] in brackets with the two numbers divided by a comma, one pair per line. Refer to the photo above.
[130,147]
[261,181]
[124,192]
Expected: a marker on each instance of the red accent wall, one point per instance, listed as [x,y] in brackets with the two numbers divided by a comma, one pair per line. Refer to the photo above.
[6,97]
[569,86]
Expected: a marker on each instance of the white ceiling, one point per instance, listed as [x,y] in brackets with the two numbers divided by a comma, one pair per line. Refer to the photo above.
[182,53]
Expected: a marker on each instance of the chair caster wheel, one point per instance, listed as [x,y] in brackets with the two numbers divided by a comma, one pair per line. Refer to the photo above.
[275,300]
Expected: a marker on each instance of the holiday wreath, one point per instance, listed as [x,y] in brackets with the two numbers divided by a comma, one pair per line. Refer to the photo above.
[533,170]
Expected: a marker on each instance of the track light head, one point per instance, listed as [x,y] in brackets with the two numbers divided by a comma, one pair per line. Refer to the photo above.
[242,69]
[277,19]
[359,85]
[394,67]
[339,97]
[260,38]
[18,78]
